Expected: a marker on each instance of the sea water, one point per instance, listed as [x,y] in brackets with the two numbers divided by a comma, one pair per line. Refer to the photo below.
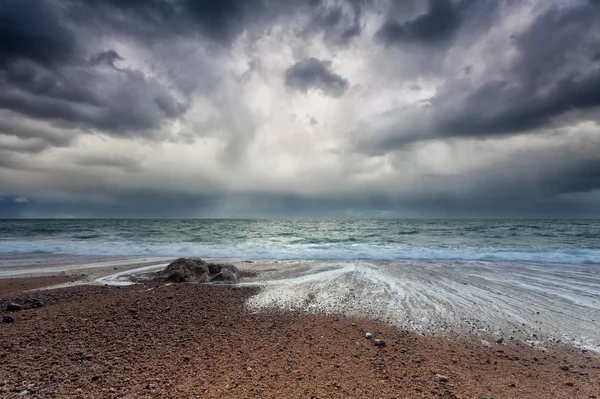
[546,241]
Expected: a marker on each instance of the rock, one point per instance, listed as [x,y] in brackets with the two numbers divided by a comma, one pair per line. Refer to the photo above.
[379,342]
[500,340]
[7,319]
[564,368]
[13,307]
[227,274]
[195,270]
[441,378]
[402,350]
[36,303]
[368,335]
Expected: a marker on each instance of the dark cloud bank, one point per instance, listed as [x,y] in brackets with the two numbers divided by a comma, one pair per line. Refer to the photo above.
[59,82]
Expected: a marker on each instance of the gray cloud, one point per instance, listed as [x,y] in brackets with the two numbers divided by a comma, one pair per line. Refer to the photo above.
[126,164]
[312,73]
[31,30]
[553,74]
[108,57]
[176,107]
[439,22]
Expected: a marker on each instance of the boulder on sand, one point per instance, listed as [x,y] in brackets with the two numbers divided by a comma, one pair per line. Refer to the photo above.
[195,270]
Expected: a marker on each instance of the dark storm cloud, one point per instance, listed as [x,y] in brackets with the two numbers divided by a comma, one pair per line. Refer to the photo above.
[44,75]
[440,21]
[108,57]
[31,30]
[221,21]
[554,74]
[312,73]
[16,127]
[340,22]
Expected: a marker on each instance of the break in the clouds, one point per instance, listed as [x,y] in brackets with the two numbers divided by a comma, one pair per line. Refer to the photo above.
[183,108]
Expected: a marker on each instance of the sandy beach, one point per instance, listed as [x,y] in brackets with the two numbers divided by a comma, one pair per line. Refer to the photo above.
[184,341]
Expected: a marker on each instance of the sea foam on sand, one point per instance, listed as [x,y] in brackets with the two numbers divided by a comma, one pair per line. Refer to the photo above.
[529,302]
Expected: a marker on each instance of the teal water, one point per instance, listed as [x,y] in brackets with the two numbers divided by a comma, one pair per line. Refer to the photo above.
[554,241]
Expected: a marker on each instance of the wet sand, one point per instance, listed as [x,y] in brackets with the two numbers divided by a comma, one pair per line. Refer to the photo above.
[13,285]
[184,341]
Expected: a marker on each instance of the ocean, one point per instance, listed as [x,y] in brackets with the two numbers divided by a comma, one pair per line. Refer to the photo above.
[545,241]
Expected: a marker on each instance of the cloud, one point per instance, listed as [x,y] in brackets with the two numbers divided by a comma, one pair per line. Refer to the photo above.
[48,44]
[108,57]
[21,200]
[551,75]
[439,22]
[312,73]
[244,108]
[126,164]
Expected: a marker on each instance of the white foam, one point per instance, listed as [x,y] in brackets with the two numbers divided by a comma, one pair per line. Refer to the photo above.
[508,299]
[325,251]
[124,277]
[74,265]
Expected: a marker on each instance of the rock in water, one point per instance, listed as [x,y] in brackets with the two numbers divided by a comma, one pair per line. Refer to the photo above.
[13,307]
[195,270]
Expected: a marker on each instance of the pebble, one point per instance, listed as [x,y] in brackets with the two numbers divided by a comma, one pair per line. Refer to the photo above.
[441,378]
[368,335]
[7,319]
[36,303]
[500,340]
[564,368]
[379,342]
[13,307]
[403,350]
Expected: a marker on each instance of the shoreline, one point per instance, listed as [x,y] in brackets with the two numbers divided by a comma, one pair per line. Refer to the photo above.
[182,340]
[538,305]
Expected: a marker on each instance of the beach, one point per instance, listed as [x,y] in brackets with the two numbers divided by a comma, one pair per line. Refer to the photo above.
[180,340]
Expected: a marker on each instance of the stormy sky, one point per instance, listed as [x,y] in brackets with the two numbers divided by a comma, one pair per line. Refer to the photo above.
[275,108]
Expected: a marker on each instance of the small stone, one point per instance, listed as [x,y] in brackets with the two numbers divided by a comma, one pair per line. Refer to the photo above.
[402,350]
[564,368]
[441,378]
[379,342]
[95,378]
[36,303]
[368,335]
[570,384]
[485,397]
[513,385]
[13,307]
[500,340]
[7,319]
